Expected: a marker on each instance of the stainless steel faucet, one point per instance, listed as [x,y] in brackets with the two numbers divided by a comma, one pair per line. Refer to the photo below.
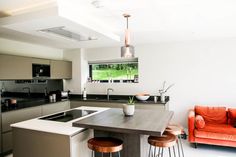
[45,91]
[27,88]
[108,93]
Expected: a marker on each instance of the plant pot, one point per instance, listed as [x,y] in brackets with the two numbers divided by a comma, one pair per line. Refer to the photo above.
[128,109]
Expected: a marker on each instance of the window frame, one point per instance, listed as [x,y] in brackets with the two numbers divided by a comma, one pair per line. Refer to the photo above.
[116,61]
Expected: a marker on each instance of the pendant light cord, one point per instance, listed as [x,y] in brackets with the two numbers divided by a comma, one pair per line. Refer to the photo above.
[127,19]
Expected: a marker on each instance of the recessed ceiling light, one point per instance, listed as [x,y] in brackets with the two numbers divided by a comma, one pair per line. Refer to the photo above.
[97,3]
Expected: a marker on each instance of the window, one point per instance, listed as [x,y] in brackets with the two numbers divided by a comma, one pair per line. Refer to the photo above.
[114,71]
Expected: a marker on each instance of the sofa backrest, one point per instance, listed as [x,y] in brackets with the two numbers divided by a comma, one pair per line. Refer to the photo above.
[212,115]
[232,116]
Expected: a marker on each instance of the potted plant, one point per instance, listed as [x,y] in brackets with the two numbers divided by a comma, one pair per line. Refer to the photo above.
[129,108]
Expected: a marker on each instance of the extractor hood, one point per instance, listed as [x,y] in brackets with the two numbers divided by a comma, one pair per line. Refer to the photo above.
[62,22]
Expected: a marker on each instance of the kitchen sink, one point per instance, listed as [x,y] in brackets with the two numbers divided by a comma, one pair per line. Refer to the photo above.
[68,115]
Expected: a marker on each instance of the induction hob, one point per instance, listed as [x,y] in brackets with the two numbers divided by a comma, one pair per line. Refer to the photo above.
[68,115]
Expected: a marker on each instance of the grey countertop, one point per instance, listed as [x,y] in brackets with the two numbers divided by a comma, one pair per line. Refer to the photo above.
[147,122]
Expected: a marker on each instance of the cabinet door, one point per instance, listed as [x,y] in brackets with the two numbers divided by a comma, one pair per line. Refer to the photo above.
[150,106]
[61,69]
[15,67]
[7,141]
[75,104]
[41,61]
[55,107]
[78,144]
[12,117]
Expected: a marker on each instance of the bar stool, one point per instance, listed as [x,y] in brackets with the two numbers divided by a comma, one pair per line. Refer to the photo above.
[177,130]
[167,140]
[105,145]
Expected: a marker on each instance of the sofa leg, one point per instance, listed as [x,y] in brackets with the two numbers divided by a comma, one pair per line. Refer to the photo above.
[195,145]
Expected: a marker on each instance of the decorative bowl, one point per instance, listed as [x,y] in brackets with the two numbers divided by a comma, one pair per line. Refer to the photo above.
[142,97]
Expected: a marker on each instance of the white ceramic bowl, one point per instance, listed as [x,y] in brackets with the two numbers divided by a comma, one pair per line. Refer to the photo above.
[142,97]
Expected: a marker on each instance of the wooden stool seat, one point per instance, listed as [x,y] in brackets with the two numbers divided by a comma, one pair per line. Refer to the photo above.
[173,129]
[166,140]
[105,144]
[177,125]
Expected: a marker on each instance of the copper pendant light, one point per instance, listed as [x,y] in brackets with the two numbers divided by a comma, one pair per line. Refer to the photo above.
[127,51]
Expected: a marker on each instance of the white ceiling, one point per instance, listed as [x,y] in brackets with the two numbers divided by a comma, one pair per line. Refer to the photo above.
[152,21]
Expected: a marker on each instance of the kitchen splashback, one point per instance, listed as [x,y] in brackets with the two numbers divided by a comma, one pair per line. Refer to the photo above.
[35,87]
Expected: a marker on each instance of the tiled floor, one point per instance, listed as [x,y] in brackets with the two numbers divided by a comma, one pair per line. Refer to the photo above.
[204,151]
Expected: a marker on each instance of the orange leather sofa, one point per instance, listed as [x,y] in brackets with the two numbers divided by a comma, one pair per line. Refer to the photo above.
[212,125]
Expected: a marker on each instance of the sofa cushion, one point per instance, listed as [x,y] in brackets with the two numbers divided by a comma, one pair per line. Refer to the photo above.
[199,122]
[231,116]
[215,136]
[219,128]
[212,115]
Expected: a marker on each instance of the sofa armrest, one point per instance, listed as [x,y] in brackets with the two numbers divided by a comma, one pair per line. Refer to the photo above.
[191,125]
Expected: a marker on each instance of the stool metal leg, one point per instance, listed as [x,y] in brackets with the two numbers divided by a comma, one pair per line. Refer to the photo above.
[159,151]
[181,145]
[110,154]
[162,152]
[149,154]
[169,152]
[154,155]
[178,146]
[119,154]
[92,153]
[174,151]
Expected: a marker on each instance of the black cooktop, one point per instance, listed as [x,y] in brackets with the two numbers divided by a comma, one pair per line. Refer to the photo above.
[68,115]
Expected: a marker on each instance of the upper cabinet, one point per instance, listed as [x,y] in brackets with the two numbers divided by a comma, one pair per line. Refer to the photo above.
[40,61]
[15,67]
[61,69]
[20,68]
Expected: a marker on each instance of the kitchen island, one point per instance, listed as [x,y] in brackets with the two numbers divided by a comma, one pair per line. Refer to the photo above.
[132,130]
[53,137]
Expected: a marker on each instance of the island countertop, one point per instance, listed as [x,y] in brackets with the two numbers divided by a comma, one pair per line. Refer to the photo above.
[146,122]
[62,128]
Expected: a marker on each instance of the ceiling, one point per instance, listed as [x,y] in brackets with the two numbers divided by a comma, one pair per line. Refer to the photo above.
[152,21]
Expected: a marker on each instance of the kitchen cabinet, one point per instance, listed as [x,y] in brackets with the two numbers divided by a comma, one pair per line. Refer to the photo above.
[15,67]
[61,69]
[55,107]
[11,117]
[41,61]
[50,144]
[7,141]
[154,106]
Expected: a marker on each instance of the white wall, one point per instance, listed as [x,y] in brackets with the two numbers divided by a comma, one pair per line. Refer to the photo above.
[29,50]
[79,71]
[204,72]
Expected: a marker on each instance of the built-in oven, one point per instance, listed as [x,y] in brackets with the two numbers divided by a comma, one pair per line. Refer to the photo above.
[41,71]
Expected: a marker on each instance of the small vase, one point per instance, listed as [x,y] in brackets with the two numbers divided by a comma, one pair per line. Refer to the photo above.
[128,109]
[163,97]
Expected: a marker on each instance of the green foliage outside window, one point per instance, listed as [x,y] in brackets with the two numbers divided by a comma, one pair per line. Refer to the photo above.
[116,71]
